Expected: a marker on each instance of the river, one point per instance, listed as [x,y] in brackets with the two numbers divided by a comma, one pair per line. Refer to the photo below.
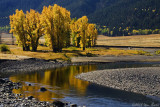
[61,84]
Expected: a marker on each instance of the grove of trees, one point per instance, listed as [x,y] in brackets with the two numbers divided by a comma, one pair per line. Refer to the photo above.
[57,27]
[83,34]
[126,31]
[5,29]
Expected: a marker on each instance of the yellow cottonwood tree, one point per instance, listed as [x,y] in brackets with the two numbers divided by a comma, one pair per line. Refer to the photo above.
[74,33]
[83,33]
[55,23]
[94,37]
[82,30]
[91,35]
[56,20]
[66,26]
[33,28]
[17,22]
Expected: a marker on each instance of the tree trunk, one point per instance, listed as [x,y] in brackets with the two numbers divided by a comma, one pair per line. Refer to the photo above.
[34,46]
[83,48]
[23,48]
[27,48]
[12,39]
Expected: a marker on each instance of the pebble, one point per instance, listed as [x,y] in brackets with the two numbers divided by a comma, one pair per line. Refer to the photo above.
[10,67]
[8,99]
[73,105]
[43,89]
[139,80]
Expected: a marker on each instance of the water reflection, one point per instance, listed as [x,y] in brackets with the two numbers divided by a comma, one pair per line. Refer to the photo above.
[59,82]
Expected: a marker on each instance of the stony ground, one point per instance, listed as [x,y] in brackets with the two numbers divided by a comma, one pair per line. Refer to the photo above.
[8,67]
[8,99]
[139,80]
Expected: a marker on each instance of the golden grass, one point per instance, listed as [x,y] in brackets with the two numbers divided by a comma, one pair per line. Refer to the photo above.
[120,52]
[135,40]
[66,54]
[46,53]
[42,54]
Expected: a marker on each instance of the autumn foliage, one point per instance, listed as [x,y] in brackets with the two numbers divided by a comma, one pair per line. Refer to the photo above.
[83,34]
[33,28]
[56,22]
[17,22]
[57,27]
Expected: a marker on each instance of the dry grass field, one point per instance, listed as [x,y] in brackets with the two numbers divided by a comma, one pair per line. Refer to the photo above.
[67,53]
[135,40]
[7,39]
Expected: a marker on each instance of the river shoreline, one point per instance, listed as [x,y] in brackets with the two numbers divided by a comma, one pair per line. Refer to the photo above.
[11,67]
[8,99]
[144,81]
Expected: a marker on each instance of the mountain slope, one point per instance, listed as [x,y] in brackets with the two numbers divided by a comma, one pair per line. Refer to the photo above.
[140,14]
[112,13]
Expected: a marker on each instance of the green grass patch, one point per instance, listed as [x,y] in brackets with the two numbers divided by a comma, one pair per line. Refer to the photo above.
[141,52]
[157,52]
[4,48]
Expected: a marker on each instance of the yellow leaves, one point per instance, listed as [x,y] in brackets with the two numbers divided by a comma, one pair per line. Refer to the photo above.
[83,23]
[56,20]
[154,10]
[17,21]
[27,27]
[33,24]
[55,23]
[85,31]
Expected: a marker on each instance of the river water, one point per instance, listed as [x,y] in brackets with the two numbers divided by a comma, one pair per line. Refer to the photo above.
[61,84]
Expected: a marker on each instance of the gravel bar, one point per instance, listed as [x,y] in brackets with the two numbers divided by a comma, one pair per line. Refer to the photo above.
[9,67]
[145,80]
[8,99]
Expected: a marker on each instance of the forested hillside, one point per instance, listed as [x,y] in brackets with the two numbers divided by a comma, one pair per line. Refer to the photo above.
[137,14]
[140,14]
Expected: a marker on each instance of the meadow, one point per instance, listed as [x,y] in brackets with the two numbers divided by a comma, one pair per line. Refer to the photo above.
[152,40]
[104,47]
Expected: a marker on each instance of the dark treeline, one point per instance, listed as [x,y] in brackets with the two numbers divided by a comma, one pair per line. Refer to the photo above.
[125,32]
[138,14]
[5,29]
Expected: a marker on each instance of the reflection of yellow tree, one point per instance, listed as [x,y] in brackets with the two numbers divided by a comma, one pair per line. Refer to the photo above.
[61,77]
[34,91]
[78,84]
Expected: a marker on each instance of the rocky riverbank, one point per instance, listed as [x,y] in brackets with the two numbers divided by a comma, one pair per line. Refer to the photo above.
[9,67]
[145,81]
[139,80]
[8,99]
